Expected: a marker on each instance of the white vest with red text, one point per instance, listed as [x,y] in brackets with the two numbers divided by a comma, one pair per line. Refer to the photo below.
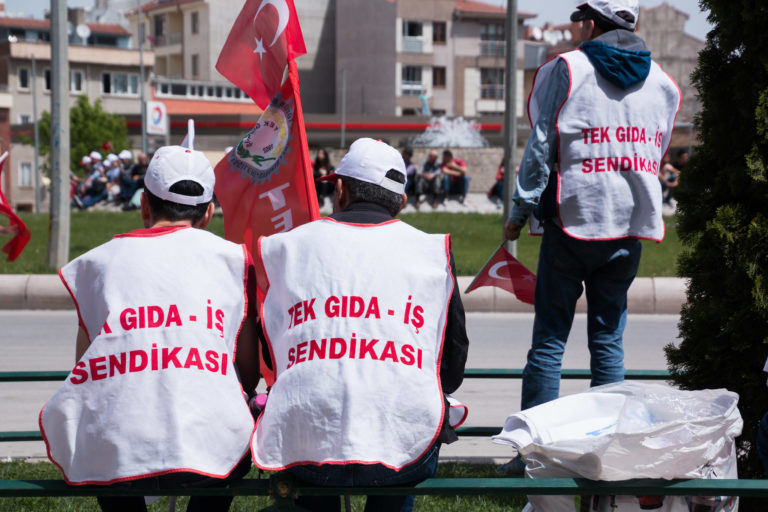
[156,391]
[611,142]
[355,317]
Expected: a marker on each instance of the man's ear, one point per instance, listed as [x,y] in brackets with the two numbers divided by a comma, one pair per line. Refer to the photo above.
[340,199]
[403,203]
[203,223]
[146,213]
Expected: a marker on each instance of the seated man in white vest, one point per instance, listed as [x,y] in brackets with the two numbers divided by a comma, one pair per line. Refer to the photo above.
[154,399]
[365,331]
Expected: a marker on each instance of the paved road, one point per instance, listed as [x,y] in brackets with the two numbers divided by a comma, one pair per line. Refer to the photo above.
[44,340]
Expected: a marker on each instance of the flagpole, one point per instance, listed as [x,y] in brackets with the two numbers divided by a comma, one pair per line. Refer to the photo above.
[510,114]
[493,255]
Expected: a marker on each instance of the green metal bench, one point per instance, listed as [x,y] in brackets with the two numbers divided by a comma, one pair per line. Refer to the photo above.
[473,373]
[432,486]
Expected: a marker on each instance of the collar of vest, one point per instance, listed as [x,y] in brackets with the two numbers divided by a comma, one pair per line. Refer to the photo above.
[158,231]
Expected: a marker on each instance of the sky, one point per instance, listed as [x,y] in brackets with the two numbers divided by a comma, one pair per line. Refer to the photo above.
[555,11]
[559,12]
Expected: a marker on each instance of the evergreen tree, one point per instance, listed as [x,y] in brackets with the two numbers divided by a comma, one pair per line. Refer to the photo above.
[723,222]
[89,128]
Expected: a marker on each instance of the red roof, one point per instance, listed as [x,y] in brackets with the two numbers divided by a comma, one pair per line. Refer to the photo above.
[32,23]
[471,7]
[162,4]
[108,28]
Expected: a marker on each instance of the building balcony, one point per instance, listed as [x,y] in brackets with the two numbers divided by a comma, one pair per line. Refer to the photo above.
[165,39]
[492,48]
[411,88]
[413,44]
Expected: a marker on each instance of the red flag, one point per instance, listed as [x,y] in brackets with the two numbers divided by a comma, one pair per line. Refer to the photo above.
[504,271]
[265,36]
[18,242]
[265,185]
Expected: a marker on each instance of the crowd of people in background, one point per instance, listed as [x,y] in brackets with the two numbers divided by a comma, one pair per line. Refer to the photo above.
[115,179]
[434,181]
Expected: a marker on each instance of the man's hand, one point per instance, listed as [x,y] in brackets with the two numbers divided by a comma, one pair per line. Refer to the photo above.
[512,231]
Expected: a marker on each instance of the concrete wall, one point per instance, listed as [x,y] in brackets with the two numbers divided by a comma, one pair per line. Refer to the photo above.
[317,69]
[365,48]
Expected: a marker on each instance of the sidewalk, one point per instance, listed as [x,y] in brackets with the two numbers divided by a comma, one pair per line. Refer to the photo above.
[647,295]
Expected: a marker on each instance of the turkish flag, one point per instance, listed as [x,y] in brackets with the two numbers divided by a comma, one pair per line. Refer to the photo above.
[265,36]
[265,185]
[18,242]
[504,271]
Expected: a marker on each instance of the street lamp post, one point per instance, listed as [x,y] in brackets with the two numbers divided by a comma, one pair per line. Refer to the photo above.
[36,135]
[510,113]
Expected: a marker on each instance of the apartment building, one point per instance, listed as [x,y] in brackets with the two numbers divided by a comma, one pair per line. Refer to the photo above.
[384,54]
[101,65]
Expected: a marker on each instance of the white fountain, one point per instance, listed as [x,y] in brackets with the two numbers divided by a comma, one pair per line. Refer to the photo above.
[443,132]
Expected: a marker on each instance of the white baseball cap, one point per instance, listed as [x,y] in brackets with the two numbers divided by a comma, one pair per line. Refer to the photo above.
[85,160]
[125,155]
[369,160]
[172,164]
[610,10]
[95,155]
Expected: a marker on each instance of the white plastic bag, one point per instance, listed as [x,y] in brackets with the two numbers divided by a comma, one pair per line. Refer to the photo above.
[628,430]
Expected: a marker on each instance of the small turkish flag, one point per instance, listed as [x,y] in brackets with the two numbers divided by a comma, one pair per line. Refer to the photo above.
[504,271]
[265,36]
[17,226]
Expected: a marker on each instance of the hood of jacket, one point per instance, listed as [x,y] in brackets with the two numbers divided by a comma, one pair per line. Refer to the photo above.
[619,56]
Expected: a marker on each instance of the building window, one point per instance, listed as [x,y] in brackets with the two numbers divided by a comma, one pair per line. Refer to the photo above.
[492,39]
[47,79]
[23,76]
[438,32]
[25,118]
[75,81]
[196,65]
[412,85]
[120,83]
[158,28]
[438,77]
[492,83]
[412,36]
[25,174]
[194,21]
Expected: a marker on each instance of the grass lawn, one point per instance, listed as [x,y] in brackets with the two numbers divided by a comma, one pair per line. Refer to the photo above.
[475,237]
[46,470]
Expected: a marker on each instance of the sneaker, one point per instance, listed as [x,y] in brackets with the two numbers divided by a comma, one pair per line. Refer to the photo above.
[514,467]
[78,201]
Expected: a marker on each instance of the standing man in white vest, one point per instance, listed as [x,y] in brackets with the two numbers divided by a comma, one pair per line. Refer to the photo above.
[602,117]
[366,335]
[154,398]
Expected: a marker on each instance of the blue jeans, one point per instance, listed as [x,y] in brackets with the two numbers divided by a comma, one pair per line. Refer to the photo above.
[459,187]
[180,479]
[606,269]
[365,475]
[762,442]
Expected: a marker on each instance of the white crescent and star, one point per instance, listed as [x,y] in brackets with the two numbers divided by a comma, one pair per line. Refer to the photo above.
[283,15]
[494,270]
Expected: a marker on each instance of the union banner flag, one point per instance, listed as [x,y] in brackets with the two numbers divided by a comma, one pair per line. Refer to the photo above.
[505,271]
[16,226]
[264,184]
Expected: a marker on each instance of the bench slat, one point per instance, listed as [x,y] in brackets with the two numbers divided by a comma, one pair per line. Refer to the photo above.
[433,486]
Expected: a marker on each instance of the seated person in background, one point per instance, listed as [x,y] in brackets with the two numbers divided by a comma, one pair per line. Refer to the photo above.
[410,171]
[322,167]
[456,181]
[429,180]
[154,399]
[496,192]
[94,188]
[358,399]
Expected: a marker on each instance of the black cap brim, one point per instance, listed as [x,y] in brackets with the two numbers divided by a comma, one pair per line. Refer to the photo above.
[580,14]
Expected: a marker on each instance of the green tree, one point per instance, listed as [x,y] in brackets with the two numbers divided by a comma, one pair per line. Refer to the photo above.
[89,128]
[723,222]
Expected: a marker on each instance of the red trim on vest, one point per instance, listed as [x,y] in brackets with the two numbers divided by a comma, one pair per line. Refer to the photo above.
[77,306]
[361,225]
[156,231]
[463,418]
[439,356]
[533,86]
[557,132]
